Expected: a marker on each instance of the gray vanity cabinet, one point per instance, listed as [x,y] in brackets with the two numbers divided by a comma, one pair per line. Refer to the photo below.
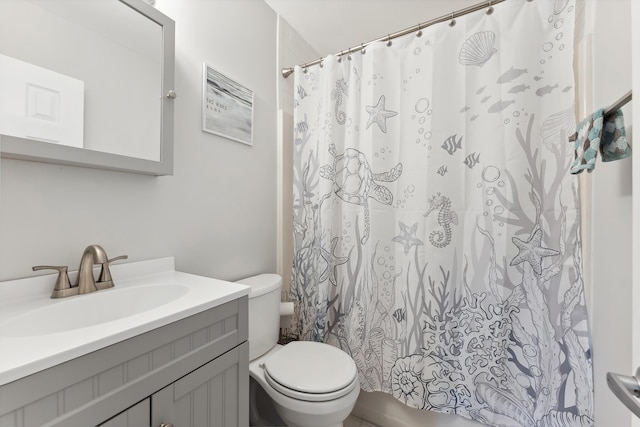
[139,415]
[193,372]
[206,397]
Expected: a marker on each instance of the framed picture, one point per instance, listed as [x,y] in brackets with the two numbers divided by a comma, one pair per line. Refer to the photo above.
[227,107]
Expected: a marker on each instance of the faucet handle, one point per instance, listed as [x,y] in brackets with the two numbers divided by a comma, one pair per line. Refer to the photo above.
[63,286]
[105,281]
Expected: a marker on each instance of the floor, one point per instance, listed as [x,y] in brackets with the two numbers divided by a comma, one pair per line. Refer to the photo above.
[354,421]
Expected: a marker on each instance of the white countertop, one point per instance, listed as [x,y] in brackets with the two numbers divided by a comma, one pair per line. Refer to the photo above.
[24,355]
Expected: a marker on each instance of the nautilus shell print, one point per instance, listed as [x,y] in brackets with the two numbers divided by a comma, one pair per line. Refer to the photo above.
[478,49]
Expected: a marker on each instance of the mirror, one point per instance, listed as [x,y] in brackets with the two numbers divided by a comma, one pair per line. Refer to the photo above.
[87,83]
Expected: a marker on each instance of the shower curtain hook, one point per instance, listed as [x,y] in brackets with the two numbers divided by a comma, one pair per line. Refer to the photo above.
[340,56]
[490,10]
[388,39]
[419,31]
[320,63]
[362,49]
[453,21]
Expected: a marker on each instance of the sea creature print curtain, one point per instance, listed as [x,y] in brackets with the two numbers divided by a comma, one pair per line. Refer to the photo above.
[436,222]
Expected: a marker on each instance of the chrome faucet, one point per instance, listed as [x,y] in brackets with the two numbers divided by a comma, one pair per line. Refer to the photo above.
[86,282]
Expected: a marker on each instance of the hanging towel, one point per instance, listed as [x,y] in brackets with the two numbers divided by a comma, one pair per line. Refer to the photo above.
[587,142]
[614,144]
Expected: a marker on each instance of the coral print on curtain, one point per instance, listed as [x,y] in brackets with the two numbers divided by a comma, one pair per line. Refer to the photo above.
[436,222]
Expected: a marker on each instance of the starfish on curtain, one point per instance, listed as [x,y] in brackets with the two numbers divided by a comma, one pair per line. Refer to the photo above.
[378,115]
[408,237]
[532,251]
[332,262]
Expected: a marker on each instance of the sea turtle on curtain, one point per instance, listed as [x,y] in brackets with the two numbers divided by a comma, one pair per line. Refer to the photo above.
[354,182]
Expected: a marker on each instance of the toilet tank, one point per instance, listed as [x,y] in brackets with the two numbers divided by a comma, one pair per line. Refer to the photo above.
[264,312]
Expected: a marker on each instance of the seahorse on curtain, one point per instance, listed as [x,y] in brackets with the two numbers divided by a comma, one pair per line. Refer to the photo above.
[442,238]
[336,95]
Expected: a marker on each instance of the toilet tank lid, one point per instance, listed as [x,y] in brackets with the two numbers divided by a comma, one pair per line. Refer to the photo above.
[262,284]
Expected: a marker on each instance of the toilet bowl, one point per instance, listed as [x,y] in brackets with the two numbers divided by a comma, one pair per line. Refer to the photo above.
[309,384]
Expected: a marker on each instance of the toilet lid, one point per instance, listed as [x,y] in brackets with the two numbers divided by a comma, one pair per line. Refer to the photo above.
[311,367]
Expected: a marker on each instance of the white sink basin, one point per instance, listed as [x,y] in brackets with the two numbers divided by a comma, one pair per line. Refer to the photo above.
[37,332]
[92,309]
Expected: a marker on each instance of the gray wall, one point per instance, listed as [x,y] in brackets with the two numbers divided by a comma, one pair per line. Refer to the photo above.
[216,214]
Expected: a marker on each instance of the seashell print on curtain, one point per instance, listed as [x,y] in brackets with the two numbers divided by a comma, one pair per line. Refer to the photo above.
[436,224]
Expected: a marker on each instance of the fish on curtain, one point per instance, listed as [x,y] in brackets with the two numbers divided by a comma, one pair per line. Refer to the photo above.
[436,225]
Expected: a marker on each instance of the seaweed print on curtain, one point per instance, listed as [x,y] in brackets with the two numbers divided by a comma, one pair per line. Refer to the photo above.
[436,224]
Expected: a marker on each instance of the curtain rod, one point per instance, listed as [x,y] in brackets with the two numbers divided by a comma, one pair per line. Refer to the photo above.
[286,72]
[619,103]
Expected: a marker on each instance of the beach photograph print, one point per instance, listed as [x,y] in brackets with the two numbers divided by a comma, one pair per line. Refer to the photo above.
[227,107]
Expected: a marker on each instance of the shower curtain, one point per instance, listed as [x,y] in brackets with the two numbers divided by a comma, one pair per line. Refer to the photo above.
[436,224]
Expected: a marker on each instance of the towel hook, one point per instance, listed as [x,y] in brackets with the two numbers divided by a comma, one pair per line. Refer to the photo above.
[453,21]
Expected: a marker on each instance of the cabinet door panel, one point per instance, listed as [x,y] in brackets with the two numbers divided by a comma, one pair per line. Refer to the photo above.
[213,395]
[138,415]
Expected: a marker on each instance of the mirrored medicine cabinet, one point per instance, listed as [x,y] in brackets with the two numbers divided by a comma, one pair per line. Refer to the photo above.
[87,83]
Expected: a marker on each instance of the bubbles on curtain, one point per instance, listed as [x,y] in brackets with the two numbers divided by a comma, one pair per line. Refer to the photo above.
[422,105]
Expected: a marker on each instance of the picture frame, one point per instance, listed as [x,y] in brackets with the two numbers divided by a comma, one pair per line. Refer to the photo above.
[227,106]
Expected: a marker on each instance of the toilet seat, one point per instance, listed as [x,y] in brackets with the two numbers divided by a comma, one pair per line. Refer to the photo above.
[327,372]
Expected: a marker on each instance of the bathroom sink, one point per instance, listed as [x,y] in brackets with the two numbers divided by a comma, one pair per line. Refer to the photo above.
[38,332]
[92,309]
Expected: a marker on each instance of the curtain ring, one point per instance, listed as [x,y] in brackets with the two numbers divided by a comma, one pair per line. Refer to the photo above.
[419,31]
[388,39]
[453,21]
[362,49]
[490,10]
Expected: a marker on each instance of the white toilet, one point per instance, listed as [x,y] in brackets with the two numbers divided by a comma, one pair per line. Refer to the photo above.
[309,384]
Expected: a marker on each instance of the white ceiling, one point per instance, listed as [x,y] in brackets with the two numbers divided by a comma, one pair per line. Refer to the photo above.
[330,26]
